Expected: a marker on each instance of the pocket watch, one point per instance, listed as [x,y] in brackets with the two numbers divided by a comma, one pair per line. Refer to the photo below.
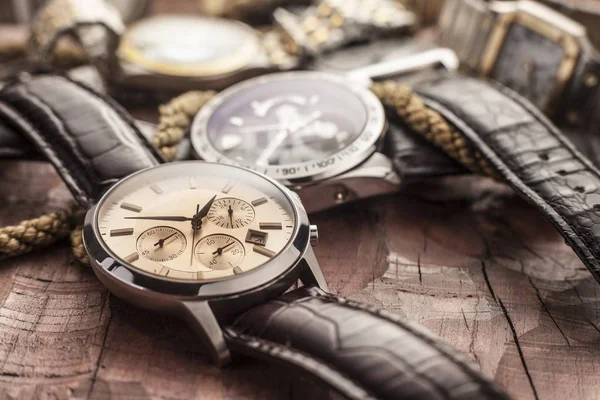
[218,245]
[172,53]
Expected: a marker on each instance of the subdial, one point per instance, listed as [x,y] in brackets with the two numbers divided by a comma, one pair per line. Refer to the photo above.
[220,252]
[231,213]
[161,243]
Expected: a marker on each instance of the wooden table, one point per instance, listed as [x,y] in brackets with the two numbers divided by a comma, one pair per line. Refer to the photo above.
[462,256]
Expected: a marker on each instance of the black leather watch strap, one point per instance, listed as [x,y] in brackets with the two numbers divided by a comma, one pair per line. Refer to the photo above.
[91,140]
[415,159]
[361,351]
[528,152]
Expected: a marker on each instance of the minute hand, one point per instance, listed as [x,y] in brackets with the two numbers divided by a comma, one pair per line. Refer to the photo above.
[163,218]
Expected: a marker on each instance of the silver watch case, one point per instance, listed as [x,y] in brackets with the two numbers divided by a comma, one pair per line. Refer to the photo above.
[301,174]
[209,302]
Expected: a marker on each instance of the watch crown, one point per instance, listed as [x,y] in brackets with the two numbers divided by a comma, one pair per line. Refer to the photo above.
[314,235]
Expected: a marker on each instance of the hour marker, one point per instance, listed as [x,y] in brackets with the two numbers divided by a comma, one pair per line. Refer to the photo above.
[156,189]
[131,207]
[228,187]
[132,257]
[121,232]
[270,225]
[237,270]
[256,237]
[259,202]
[193,182]
[164,271]
[264,251]
[237,121]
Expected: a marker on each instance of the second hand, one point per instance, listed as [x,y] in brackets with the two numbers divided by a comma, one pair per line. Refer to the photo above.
[194,238]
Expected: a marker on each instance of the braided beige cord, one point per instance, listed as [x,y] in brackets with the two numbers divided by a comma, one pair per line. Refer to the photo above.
[77,247]
[34,233]
[174,120]
[409,107]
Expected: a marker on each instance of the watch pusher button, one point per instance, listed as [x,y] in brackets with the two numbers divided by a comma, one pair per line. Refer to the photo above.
[314,235]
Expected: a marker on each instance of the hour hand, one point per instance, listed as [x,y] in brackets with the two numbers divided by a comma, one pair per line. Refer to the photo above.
[163,218]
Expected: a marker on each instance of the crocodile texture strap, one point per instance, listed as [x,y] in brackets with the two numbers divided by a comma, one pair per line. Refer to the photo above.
[528,152]
[91,141]
[414,159]
[361,351]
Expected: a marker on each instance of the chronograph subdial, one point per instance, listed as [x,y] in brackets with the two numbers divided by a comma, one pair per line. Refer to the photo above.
[161,243]
[220,252]
[231,213]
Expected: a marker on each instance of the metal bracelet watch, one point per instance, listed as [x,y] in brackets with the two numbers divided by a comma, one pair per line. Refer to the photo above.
[173,53]
[217,245]
[23,11]
[531,48]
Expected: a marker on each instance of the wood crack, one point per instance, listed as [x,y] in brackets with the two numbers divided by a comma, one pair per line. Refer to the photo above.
[519,349]
[547,310]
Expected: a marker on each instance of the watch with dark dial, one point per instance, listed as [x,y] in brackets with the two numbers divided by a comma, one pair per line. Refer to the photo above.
[157,238]
[531,48]
[323,135]
[172,53]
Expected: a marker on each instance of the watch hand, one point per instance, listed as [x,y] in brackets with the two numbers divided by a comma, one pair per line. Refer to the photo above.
[162,241]
[282,136]
[197,218]
[194,233]
[163,218]
[230,212]
[220,250]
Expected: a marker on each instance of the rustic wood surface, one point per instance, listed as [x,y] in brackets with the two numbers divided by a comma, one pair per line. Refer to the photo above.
[463,256]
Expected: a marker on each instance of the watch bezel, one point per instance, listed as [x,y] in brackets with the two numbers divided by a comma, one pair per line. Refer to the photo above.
[547,22]
[129,281]
[363,146]
[248,52]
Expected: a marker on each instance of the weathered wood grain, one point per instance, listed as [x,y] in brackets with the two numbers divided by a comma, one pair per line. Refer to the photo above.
[463,257]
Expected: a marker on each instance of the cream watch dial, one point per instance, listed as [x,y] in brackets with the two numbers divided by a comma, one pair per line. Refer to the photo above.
[174,221]
[189,45]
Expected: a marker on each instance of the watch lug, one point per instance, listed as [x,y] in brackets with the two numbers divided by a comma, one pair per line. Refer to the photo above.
[202,319]
[374,177]
[311,274]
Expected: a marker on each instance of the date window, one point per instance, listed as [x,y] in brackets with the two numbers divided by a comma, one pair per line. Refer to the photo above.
[257,237]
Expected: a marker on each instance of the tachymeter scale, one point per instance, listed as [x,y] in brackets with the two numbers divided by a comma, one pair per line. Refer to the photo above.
[161,244]
[231,213]
[219,252]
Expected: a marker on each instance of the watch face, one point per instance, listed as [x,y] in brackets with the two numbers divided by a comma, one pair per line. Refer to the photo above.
[529,64]
[195,221]
[290,125]
[186,45]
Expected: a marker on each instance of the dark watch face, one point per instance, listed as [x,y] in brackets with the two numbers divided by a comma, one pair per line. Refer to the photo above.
[288,124]
[529,63]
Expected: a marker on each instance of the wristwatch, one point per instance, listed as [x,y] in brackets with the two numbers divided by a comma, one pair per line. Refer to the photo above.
[531,48]
[323,135]
[23,11]
[173,53]
[218,245]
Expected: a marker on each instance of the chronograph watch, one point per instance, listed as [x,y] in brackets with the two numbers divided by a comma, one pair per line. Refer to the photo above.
[218,246]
